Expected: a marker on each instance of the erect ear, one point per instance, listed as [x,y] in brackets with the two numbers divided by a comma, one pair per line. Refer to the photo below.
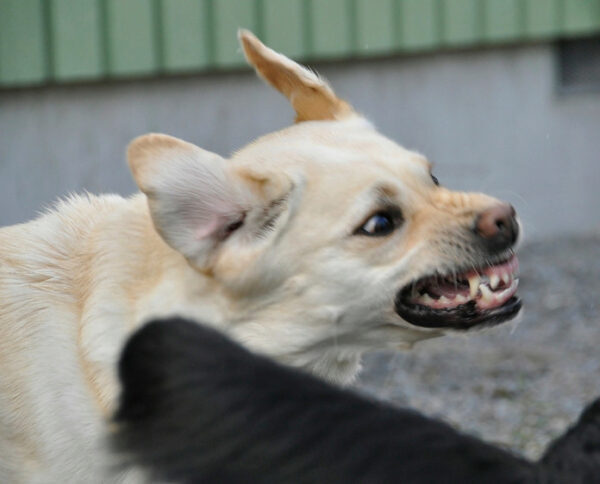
[310,96]
[194,200]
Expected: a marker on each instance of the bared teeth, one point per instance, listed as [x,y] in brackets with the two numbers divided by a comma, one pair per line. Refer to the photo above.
[474,285]
[486,293]
[489,288]
[494,281]
[489,300]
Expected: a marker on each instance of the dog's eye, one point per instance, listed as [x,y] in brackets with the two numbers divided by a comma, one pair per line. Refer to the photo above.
[380,224]
[435,180]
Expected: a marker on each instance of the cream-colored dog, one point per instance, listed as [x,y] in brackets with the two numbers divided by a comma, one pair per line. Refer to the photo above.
[312,245]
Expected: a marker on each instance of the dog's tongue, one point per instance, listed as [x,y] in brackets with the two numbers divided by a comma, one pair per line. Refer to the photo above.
[448,290]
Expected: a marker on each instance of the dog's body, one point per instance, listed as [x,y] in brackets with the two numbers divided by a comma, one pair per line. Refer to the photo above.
[63,321]
[312,245]
[198,408]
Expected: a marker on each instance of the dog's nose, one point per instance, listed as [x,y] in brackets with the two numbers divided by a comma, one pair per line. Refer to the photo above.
[497,226]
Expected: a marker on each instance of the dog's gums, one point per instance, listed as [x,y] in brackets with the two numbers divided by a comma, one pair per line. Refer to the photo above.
[462,300]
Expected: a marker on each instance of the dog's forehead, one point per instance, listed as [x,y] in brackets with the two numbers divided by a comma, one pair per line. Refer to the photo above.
[352,145]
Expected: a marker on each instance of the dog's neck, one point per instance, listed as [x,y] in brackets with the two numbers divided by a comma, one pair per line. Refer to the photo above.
[158,281]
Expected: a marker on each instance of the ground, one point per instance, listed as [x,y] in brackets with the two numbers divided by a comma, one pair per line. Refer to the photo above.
[517,385]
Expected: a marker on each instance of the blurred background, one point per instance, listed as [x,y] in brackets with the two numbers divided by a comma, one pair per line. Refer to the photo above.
[502,95]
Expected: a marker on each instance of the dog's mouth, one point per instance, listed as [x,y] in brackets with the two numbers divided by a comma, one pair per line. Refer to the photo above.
[483,295]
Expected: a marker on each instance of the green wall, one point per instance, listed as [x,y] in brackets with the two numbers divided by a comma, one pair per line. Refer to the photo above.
[56,41]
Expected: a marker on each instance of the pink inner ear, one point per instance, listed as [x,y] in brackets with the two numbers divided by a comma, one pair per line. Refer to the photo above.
[210,228]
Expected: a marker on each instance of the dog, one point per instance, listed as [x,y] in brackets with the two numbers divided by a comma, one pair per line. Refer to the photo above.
[311,245]
[196,407]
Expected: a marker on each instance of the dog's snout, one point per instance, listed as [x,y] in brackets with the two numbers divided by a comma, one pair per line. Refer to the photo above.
[497,226]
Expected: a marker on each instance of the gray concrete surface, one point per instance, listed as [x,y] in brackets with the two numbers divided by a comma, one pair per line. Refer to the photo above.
[516,385]
[491,120]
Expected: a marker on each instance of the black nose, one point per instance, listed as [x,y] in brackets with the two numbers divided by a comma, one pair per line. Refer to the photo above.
[497,227]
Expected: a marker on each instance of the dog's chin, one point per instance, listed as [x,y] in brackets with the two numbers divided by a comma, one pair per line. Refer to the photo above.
[479,297]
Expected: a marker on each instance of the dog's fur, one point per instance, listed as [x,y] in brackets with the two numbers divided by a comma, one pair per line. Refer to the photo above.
[197,407]
[261,245]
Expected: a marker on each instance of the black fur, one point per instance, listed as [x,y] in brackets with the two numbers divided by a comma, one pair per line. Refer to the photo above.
[197,407]
[576,455]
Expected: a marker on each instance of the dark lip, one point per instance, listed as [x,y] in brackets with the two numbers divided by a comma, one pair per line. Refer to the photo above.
[463,317]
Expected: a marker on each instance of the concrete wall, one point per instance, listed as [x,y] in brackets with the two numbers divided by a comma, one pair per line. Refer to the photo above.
[490,120]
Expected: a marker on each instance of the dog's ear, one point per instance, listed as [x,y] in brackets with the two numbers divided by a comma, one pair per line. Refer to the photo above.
[310,96]
[194,199]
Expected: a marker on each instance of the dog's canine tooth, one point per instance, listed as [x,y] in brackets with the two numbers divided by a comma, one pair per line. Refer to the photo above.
[426,299]
[494,281]
[486,293]
[506,277]
[474,285]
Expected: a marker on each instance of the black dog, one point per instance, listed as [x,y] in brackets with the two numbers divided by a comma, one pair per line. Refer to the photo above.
[197,407]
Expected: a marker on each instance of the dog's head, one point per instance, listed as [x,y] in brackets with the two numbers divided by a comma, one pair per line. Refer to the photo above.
[326,238]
